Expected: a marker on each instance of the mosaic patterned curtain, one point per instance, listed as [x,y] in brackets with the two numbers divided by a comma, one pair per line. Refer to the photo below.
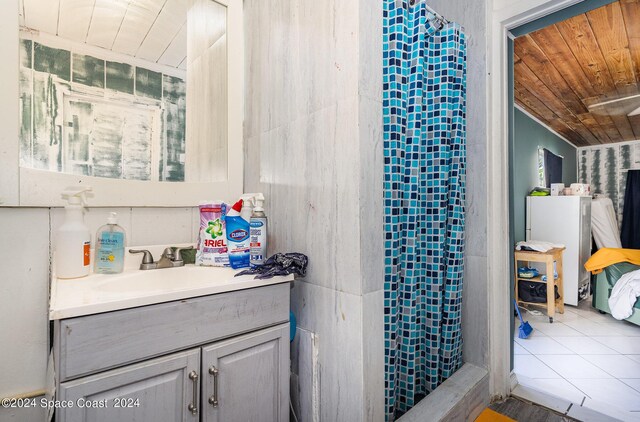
[424,193]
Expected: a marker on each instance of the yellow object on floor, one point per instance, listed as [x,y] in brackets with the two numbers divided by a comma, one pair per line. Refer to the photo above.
[609,256]
[489,415]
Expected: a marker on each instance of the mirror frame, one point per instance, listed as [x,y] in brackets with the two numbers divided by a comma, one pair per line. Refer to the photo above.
[21,186]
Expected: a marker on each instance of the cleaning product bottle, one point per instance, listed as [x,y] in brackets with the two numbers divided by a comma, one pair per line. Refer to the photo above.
[247,205]
[237,237]
[109,253]
[258,232]
[73,239]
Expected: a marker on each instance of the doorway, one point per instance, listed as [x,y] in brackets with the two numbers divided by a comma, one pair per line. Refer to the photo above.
[570,100]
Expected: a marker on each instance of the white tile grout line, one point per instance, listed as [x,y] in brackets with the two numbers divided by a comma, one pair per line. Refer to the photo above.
[525,348]
[633,388]
[586,396]
[604,370]
[567,380]
[583,335]
[552,370]
[575,386]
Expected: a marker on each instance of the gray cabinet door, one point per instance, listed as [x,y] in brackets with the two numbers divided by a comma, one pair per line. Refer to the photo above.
[155,390]
[248,376]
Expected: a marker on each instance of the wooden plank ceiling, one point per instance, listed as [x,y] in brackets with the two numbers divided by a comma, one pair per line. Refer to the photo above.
[592,58]
[152,30]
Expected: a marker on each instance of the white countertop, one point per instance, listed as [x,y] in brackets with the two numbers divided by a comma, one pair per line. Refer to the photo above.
[99,293]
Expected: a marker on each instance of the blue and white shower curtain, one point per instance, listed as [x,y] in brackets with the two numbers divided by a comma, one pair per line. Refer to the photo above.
[424,195]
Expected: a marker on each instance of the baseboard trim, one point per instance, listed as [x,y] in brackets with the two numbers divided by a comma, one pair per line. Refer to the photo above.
[29,395]
[566,407]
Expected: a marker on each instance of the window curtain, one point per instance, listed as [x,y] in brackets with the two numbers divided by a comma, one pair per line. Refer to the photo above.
[424,193]
[630,231]
[552,168]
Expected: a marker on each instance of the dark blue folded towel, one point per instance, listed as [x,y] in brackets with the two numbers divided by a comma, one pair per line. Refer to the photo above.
[280,264]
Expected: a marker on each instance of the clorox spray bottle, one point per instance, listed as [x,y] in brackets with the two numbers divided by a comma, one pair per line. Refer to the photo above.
[258,224]
[237,237]
[73,239]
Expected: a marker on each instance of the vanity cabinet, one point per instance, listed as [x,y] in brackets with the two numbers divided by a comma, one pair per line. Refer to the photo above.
[156,390]
[245,378]
[222,357]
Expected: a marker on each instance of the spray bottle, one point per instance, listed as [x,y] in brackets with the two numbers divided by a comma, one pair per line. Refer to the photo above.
[247,205]
[237,237]
[258,224]
[73,239]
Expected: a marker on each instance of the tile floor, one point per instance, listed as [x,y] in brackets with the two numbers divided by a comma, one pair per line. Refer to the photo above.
[586,357]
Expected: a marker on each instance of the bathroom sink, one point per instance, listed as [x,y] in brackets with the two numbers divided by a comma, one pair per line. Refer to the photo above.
[98,293]
[163,280]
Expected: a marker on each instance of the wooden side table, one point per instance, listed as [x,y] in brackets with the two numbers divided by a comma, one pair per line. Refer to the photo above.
[548,259]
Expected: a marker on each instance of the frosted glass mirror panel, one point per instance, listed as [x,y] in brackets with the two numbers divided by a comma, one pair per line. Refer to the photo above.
[207,91]
[124,89]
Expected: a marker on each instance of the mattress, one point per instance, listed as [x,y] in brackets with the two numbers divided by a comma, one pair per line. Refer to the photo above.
[603,224]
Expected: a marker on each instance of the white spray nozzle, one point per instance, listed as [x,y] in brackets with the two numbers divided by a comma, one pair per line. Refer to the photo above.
[76,195]
[247,199]
[258,202]
[113,218]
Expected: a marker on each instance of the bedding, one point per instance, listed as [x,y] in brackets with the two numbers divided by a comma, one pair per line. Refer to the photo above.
[624,295]
[608,256]
[603,284]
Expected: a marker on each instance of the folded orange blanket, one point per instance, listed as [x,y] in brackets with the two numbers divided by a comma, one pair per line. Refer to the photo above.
[609,256]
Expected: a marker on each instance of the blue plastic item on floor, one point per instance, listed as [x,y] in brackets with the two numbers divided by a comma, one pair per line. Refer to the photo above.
[292,326]
[525,329]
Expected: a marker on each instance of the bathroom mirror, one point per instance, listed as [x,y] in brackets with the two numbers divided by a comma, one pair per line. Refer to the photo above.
[139,99]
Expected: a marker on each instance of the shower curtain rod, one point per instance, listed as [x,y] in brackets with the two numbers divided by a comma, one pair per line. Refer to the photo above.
[437,15]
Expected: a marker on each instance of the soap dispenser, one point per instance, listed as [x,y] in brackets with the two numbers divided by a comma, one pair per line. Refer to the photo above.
[73,239]
[110,241]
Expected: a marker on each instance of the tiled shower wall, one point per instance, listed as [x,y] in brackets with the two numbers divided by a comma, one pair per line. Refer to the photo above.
[472,16]
[313,145]
[605,167]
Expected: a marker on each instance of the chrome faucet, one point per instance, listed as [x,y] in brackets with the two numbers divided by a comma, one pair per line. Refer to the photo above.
[166,260]
[169,258]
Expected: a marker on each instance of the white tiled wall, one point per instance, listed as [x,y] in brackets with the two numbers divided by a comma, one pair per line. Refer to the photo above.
[24,271]
[313,145]
[27,234]
[156,226]
[144,226]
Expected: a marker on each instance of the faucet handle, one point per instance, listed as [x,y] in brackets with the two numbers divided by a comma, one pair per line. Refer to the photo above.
[147,258]
[177,256]
[168,253]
